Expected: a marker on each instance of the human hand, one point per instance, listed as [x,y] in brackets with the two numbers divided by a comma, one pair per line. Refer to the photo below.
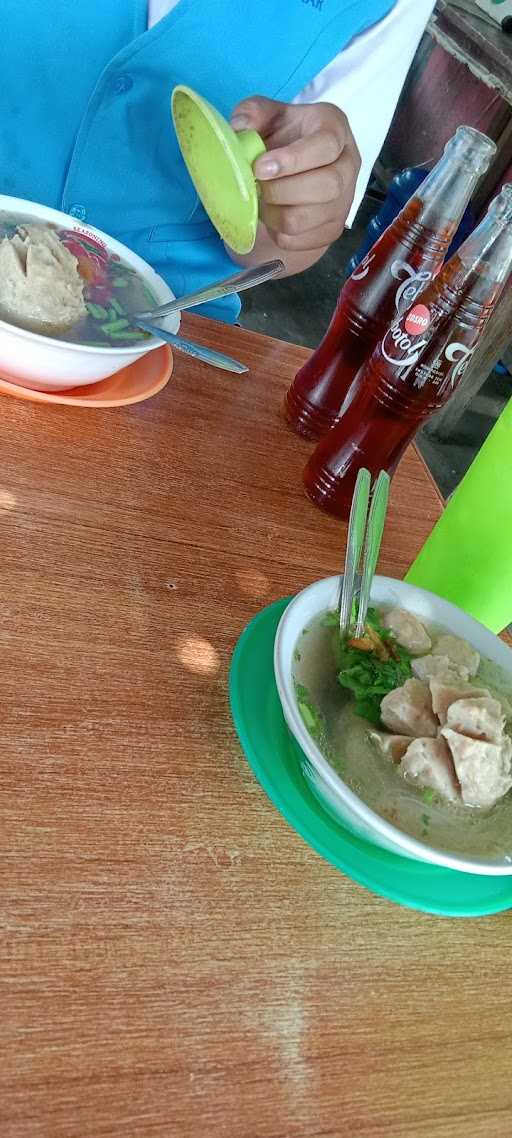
[308,175]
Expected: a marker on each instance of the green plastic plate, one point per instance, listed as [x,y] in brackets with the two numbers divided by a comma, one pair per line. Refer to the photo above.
[275,758]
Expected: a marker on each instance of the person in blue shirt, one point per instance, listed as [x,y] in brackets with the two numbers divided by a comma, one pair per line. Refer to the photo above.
[86,127]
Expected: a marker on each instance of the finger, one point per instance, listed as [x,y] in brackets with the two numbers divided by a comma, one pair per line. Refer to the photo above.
[257,113]
[314,188]
[323,148]
[319,238]
[334,183]
[297,220]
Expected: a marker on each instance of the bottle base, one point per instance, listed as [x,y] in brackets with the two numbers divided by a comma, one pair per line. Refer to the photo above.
[305,419]
[328,495]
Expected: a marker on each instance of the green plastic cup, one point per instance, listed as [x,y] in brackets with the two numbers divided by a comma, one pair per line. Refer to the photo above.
[468,557]
[219,161]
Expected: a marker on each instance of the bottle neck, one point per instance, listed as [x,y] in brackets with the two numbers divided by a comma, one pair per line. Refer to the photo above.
[480,269]
[446,191]
[488,250]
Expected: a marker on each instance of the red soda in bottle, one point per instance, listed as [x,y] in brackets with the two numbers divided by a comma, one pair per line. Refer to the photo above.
[418,364]
[386,283]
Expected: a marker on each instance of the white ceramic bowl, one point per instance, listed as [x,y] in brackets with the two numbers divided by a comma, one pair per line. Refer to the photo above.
[342,801]
[48,364]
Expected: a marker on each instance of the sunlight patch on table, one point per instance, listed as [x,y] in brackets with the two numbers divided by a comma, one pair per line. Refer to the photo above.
[253,583]
[7,500]
[198,655]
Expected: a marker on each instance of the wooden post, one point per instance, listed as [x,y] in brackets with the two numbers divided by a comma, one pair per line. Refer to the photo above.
[492,346]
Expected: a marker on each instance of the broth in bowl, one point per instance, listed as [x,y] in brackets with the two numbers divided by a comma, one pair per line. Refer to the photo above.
[417,725]
[66,284]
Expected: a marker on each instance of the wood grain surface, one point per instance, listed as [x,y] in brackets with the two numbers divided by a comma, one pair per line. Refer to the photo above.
[175,961]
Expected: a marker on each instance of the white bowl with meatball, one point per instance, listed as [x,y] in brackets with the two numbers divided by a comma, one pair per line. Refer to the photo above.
[406,733]
[66,293]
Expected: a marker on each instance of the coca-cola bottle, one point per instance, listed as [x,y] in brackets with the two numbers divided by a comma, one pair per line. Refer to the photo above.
[386,282]
[418,364]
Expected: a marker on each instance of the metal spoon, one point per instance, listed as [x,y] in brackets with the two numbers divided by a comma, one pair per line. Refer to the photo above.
[189,348]
[246,278]
[376,522]
[355,542]
[352,583]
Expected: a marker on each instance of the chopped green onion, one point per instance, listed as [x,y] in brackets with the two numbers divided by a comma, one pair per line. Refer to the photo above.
[369,678]
[307,716]
[310,715]
[114,326]
[330,620]
[96,311]
[90,248]
[119,282]
[428,795]
[149,295]
[117,307]
[129,335]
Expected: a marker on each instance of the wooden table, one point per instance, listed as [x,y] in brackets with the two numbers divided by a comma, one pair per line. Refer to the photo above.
[176,962]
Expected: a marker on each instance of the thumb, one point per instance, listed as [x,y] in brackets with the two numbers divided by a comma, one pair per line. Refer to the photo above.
[257,113]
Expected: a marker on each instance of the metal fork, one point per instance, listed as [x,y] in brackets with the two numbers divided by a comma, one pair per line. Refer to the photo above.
[365,529]
[244,279]
[190,348]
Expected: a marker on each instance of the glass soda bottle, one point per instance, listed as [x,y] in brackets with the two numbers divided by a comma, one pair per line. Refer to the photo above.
[386,283]
[418,364]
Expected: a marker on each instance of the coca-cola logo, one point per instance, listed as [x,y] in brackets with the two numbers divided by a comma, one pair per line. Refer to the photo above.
[417,320]
[363,269]
[412,284]
[409,348]
[459,354]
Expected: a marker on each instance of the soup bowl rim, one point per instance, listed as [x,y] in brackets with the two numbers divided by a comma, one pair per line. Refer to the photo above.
[320,597]
[46,213]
